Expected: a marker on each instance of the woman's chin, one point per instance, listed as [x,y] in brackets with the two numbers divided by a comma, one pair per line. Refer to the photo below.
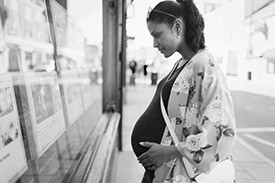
[166,55]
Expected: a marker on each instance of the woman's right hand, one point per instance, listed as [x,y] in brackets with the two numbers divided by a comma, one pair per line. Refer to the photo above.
[157,155]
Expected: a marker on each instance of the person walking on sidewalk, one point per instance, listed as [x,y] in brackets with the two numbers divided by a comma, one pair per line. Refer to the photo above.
[196,98]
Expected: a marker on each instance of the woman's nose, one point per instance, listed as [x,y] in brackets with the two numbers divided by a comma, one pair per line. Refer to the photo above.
[155,44]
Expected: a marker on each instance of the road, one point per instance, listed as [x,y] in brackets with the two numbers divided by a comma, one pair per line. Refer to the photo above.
[255,120]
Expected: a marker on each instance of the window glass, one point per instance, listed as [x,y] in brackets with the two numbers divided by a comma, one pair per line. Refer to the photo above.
[50,90]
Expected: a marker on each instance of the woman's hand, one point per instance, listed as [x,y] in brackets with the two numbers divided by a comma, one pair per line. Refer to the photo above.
[156,155]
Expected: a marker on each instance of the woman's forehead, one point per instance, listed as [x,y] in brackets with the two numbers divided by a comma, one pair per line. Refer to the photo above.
[155,26]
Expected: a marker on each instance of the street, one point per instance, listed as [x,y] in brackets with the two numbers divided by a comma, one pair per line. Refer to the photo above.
[255,120]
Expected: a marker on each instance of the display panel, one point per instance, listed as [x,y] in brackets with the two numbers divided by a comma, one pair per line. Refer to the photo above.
[59,22]
[48,121]
[72,93]
[12,152]
[86,88]
[43,113]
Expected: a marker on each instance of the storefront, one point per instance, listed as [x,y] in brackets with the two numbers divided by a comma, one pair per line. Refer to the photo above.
[52,122]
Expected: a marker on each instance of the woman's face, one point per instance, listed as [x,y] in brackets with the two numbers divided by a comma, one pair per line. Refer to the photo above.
[165,38]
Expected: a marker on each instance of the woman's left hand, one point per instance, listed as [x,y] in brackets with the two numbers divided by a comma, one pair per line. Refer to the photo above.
[156,155]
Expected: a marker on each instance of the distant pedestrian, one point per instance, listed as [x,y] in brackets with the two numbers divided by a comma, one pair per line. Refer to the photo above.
[145,72]
[133,67]
[196,99]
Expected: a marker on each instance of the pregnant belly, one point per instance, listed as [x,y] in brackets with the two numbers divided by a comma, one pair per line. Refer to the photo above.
[146,129]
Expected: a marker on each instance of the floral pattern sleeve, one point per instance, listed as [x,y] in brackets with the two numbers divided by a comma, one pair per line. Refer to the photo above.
[208,128]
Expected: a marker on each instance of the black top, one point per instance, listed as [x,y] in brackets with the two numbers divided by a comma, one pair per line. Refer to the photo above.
[151,125]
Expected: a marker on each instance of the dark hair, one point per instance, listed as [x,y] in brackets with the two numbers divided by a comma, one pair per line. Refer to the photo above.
[166,12]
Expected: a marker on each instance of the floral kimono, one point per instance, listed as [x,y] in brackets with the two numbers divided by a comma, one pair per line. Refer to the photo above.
[201,111]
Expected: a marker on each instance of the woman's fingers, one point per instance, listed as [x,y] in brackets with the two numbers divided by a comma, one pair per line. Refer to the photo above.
[144,160]
[149,159]
[147,164]
[153,167]
[142,157]
[146,144]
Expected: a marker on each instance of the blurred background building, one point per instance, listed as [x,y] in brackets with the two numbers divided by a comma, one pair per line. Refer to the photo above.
[238,32]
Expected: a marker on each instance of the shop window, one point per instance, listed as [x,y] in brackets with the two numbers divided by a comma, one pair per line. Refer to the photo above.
[46,112]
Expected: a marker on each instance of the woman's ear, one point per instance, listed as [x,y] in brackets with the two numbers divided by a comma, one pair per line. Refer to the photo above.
[178,26]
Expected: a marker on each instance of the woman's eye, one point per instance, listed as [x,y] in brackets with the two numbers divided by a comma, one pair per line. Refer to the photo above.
[157,35]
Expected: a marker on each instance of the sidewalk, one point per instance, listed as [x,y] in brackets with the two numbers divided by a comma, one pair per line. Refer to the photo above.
[262,87]
[251,167]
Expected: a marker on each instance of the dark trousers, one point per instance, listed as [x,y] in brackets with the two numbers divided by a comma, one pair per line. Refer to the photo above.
[148,176]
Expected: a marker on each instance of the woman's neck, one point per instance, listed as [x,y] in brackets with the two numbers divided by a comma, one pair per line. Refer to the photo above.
[186,52]
[186,56]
